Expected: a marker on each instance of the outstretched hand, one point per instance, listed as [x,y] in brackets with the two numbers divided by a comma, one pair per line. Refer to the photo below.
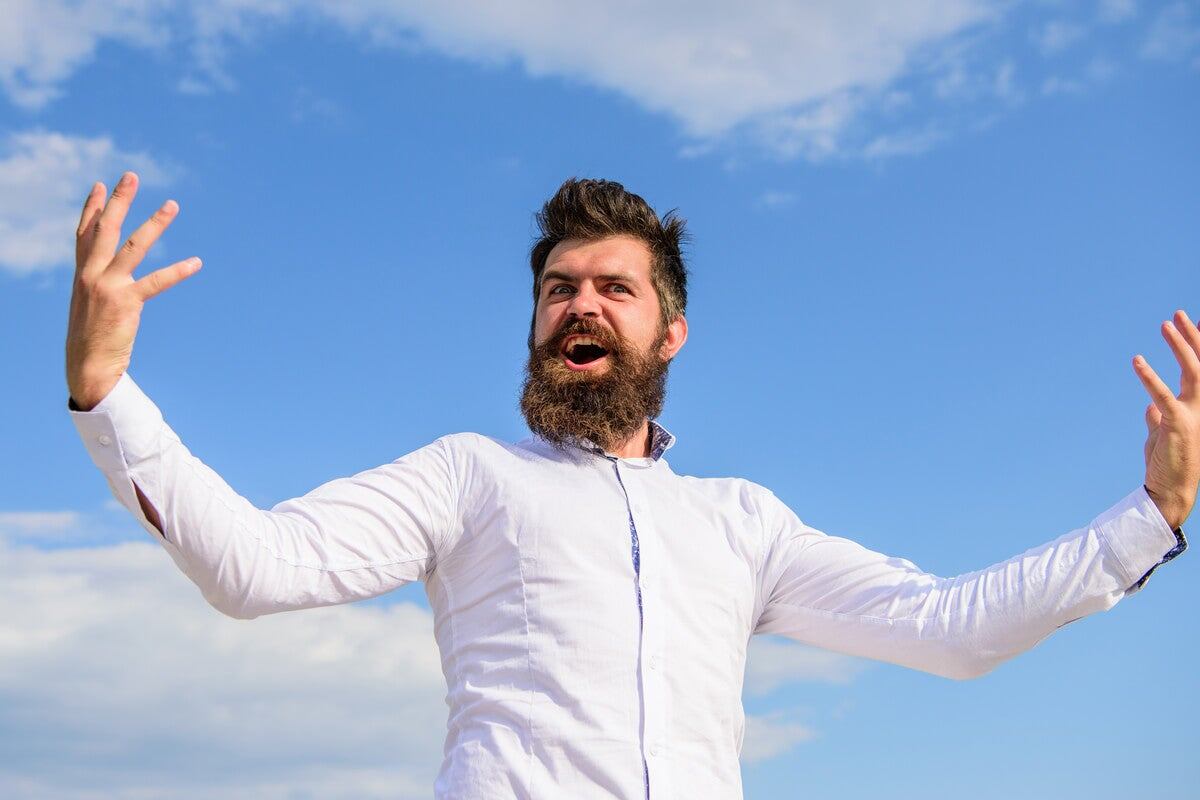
[106,300]
[1173,444]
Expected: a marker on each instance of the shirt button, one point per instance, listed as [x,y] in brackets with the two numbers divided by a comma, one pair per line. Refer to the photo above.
[104,439]
[653,749]
[653,662]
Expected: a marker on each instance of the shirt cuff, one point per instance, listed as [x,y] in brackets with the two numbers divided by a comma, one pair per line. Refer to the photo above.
[1140,537]
[122,429]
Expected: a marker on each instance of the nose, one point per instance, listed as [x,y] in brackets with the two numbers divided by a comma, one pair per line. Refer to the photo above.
[585,303]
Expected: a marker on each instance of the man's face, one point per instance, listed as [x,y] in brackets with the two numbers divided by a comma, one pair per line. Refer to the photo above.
[599,352]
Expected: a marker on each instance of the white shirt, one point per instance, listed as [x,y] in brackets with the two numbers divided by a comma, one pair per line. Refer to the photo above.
[558,686]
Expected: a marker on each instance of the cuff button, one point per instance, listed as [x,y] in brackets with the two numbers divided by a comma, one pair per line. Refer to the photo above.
[104,439]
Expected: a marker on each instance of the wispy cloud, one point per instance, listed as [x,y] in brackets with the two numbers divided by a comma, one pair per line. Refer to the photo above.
[44,177]
[774,662]
[1173,35]
[907,143]
[1056,36]
[25,523]
[1112,11]
[124,683]
[42,43]
[1096,72]
[773,734]
[775,199]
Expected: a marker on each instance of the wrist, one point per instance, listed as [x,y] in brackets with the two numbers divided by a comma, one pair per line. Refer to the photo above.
[86,395]
[1173,510]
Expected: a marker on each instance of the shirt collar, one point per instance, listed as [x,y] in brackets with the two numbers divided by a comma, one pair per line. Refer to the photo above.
[661,440]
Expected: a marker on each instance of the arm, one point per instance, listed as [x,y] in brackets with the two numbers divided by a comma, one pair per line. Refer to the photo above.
[346,540]
[147,509]
[349,539]
[834,593]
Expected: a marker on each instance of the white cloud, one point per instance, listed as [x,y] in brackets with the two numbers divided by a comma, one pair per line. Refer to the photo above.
[1117,10]
[1097,71]
[25,523]
[42,43]
[1100,69]
[1173,35]
[960,78]
[905,143]
[773,662]
[775,199]
[1056,36]
[44,177]
[771,735]
[124,683]
[308,106]
[1056,85]
[1003,84]
[711,65]
[812,80]
[794,76]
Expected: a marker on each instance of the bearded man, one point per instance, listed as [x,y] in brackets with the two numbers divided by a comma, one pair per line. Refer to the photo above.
[592,607]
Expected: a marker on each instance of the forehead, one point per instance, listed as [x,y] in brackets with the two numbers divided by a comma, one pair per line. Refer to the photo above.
[613,254]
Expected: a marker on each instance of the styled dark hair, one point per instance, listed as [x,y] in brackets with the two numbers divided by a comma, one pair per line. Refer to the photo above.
[589,209]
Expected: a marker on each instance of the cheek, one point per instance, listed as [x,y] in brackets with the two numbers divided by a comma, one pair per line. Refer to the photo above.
[544,325]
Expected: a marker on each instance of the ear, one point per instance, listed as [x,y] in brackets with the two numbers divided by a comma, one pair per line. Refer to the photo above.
[676,336]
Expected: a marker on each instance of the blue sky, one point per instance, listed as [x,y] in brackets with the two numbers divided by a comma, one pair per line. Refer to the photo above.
[927,243]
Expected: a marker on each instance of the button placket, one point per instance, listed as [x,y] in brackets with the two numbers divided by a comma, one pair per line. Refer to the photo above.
[653,680]
[622,476]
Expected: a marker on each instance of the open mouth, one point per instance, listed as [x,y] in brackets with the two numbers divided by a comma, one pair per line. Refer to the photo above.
[583,352]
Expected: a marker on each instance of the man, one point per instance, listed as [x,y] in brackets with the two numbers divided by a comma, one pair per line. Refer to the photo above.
[592,607]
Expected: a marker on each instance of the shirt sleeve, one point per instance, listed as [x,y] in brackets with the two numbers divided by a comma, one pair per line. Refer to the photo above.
[836,594]
[348,539]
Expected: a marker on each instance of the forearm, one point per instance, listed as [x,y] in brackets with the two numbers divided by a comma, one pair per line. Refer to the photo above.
[849,599]
[87,405]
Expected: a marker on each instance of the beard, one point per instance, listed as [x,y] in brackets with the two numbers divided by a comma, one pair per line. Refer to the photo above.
[606,406]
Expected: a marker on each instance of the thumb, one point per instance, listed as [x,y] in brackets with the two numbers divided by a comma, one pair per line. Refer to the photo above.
[1153,417]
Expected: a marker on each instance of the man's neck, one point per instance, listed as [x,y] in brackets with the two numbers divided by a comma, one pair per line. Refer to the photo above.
[637,445]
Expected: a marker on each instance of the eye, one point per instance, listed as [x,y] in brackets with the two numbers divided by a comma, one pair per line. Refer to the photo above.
[620,286]
[554,289]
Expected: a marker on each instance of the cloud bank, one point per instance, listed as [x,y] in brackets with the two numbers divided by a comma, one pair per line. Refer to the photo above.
[117,680]
[792,76]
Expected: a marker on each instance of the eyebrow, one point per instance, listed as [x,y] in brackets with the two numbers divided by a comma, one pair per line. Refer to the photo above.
[554,274]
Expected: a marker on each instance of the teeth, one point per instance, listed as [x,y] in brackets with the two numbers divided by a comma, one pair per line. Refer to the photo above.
[582,340]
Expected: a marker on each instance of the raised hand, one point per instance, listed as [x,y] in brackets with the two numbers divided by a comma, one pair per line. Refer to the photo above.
[1173,444]
[106,300]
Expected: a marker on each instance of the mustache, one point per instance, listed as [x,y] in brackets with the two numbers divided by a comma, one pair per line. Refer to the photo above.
[583,326]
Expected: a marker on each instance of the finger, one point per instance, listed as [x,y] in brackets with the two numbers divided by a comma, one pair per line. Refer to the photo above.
[160,280]
[107,227]
[135,247]
[87,218]
[1153,417]
[1159,392]
[1188,328]
[1189,363]
[93,201]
